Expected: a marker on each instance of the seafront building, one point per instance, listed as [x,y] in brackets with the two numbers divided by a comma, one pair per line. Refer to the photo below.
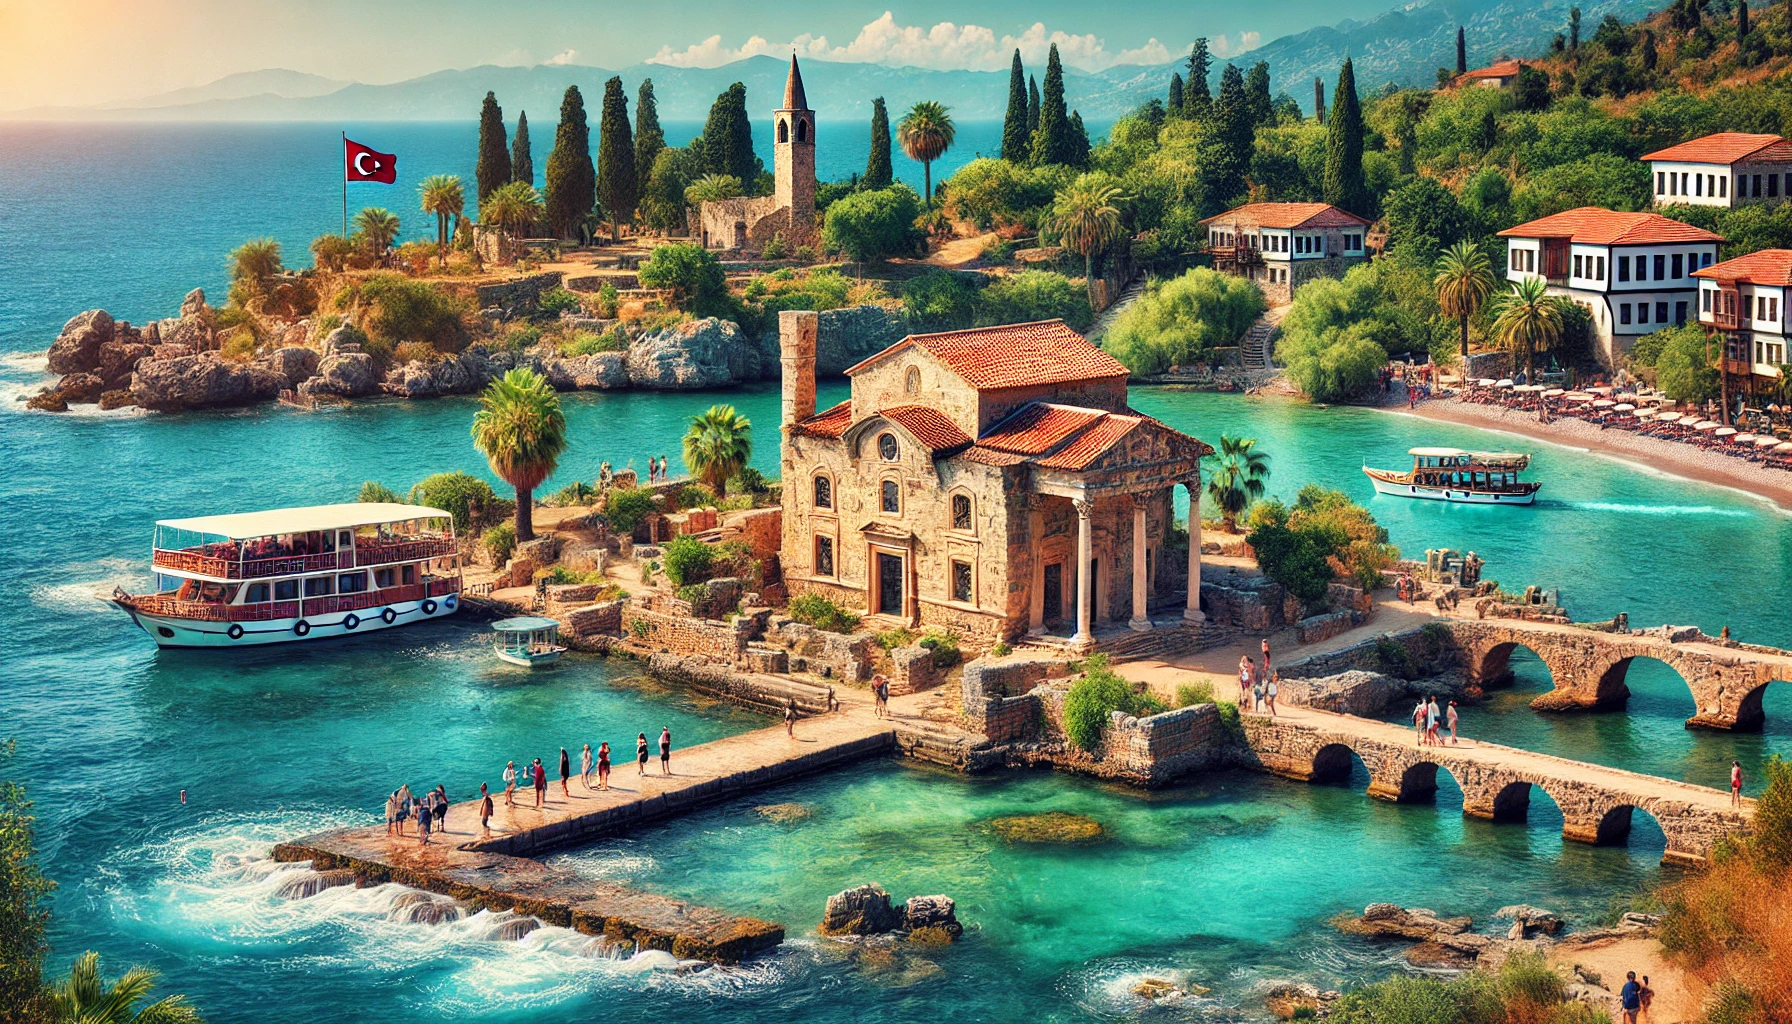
[1631,271]
[1281,246]
[991,481]
[1743,302]
[1728,169]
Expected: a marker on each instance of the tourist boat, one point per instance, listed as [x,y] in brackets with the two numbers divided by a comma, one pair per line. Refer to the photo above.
[297,573]
[528,640]
[1451,474]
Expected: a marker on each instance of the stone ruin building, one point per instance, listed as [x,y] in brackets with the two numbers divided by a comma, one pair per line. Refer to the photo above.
[748,222]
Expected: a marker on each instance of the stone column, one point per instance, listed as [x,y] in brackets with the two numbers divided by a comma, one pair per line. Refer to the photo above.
[1193,612]
[1141,585]
[1083,541]
[1036,600]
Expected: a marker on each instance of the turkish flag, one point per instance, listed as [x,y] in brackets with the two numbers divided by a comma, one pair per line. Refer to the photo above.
[362,164]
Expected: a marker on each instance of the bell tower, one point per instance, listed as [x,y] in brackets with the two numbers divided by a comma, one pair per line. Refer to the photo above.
[793,161]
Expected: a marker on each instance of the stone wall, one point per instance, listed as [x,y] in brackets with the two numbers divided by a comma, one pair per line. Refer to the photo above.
[996,698]
[1159,748]
[846,657]
[1316,628]
[602,619]
[1424,657]
[761,528]
[912,670]
[519,297]
[767,693]
[680,634]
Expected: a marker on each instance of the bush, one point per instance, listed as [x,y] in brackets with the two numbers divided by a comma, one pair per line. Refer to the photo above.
[687,560]
[815,610]
[1001,649]
[945,649]
[692,273]
[575,493]
[1093,699]
[873,226]
[1181,321]
[692,496]
[748,481]
[1329,338]
[469,499]
[625,509]
[890,639]
[374,491]
[416,351]
[608,301]
[1683,369]
[499,542]
[585,343]
[1034,295]
[1190,694]
[555,301]
[392,308]
[939,300]
[1297,561]
[774,248]
[520,338]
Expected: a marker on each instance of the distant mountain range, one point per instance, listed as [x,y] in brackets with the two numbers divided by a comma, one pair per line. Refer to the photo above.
[1405,46]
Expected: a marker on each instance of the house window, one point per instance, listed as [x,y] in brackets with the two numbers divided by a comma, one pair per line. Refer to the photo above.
[824,556]
[961,512]
[1642,268]
[1755,186]
[383,577]
[1698,184]
[1660,187]
[1599,271]
[824,492]
[1661,267]
[911,382]
[1705,260]
[407,574]
[351,583]
[1642,312]
[961,581]
[258,594]
[1773,185]
[1679,268]
[1623,318]
[1661,312]
[1623,269]
[890,497]
[1683,182]
[783,132]
[886,447]
[1577,266]
[286,590]
[1723,186]
[1704,302]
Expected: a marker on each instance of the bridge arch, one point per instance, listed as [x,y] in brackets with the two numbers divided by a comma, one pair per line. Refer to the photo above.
[1418,782]
[1489,663]
[1333,764]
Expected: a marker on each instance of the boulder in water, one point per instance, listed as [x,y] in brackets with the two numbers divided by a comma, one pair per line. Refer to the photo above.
[201,382]
[310,883]
[117,361]
[349,375]
[864,910]
[295,363]
[77,348]
[116,399]
[1050,827]
[513,929]
[416,907]
[929,917]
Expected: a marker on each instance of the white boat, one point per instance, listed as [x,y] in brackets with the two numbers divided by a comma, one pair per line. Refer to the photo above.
[1451,474]
[528,640]
[288,574]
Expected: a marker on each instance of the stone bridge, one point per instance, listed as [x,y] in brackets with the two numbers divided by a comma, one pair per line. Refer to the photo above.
[1596,802]
[1727,679]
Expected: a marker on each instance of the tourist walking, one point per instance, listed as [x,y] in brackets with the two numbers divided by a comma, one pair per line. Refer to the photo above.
[539,775]
[510,784]
[585,765]
[485,810]
[1257,695]
[1418,723]
[1433,718]
[1266,655]
[790,718]
[833,701]
[405,806]
[1269,691]
[641,751]
[392,813]
[603,765]
[1450,719]
[565,773]
[423,827]
[1643,999]
[441,802]
[1244,679]
[1630,998]
[1735,783]
[665,750]
[877,696]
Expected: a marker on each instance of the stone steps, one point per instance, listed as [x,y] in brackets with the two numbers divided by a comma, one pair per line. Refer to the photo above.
[1129,295]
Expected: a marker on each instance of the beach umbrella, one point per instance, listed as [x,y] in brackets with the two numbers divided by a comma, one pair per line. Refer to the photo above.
[1603,403]
[1743,439]
[1485,382]
[1706,425]
[1783,446]
[1553,392]
[1503,382]
[1667,417]
[1580,396]
[1723,431]
[1645,415]
[1624,407]
[1768,441]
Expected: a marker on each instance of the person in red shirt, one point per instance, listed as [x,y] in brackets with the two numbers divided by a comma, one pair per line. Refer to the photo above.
[540,772]
[1735,783]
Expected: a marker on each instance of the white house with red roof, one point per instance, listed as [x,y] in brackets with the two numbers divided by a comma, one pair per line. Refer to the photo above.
[1727,169]
[1632,271]
[992,481]
[1281,246]
[1498,75]
[1744,300]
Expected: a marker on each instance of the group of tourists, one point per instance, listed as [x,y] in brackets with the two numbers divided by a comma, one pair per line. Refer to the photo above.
[429,811]
[1428,719]
[1257,687]
[1417,378]
[1634,999]
[657,470]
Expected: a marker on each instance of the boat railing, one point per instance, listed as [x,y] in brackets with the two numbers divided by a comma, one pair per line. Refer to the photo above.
[380,552]
[175,608]
[234,569]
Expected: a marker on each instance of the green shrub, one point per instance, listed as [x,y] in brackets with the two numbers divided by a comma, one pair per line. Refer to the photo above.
[748,481]
[520,338]
[939,300]
[585,343]
[575,493]
[875,225]
[640,628]
[560,574]
[1094,698]
[945,649]
[688,560]
[1036,295]
[692,496]
[774,249]
[499,542]
[392,308]
[1298,561]
[692,592]
[694,276]
[1230,720]
[1001,649]
[374,491]
[1181,321]
[470,500]
[815,610]
[890,639]
[1190,694]
[608,301]
[555,301]
[627,508]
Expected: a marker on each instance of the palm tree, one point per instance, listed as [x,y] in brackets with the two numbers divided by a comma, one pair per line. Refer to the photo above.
[1238,478]
[711,188]
[442,196]
[377,228]
[521,431]
[1087,220]
[512,208]
[85,998]
[1528,320]
[1464,282]
[924,133]
[252,265]
[330,252]
[717,446]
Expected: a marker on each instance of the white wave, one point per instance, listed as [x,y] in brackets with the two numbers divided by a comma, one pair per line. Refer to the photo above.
[1113,989]
[1658,510]
[20,363]
[90,586]
[608,863]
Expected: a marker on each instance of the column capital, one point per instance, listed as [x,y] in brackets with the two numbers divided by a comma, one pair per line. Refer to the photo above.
[1083,507]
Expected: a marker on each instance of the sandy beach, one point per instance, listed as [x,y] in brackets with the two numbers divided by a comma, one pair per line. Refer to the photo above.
[1663,456]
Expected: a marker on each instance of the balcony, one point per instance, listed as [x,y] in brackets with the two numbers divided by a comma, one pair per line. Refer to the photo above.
[220,562]
[377,553]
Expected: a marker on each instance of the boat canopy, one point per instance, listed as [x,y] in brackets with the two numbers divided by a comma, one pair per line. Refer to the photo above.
[524,624]
[1445,453]
[314,518]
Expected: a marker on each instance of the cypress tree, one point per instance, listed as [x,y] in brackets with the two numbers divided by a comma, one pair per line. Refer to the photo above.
[728,138]
[1318,100]
[1227,139]
[571,180]
[1741,18]
[1015,134]
[1574,30]
[878,173]
[1256,90]
[522,163]
[1032,112]
[1461,52]
[1196,99]
[493,169]
[1649,55]
[1174,106]
[1079,141]
[1344,147]
[649,139]
[1051,140]
[617,185]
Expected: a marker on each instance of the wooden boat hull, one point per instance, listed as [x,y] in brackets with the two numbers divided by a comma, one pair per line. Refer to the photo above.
[169,631]
[532,660]
[1398,485]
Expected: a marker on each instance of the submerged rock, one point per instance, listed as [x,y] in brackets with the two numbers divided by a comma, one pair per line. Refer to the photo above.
[783,814]
[513,929]
[1050,827]
[932,914]
[865,910]
[1391,919]
[416,907]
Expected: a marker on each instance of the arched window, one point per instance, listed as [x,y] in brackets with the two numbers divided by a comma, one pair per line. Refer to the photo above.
[886,447]
[783,131]
[802,131]
[911,381]
[824,492]
[890,497]
[961,512]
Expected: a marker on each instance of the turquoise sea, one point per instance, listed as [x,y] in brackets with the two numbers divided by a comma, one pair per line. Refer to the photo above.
[1227,882]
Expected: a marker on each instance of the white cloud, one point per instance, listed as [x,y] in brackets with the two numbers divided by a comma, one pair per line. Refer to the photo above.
[943,46]
[562,58]
[1221,46]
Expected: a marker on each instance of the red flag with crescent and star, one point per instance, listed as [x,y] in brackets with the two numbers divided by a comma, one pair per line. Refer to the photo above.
[359,163]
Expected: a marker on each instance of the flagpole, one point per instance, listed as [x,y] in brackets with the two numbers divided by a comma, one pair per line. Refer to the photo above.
[345,184]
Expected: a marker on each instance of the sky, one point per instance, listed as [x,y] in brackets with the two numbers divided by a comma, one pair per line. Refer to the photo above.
[77,52]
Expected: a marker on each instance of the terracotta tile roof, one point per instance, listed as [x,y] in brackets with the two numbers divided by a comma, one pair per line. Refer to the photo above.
[1726,148]
[990,457]
[1292,215]
[1769,266]
[930,427]
[1592,225]
[1501,69]
[1064,437]
[831,423]
[1092,443]
[1037,428]
[1013,355]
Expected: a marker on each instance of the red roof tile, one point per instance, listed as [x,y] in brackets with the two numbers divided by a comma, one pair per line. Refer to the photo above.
[1037,428]
[1013,356]
[1501,69]
[1725,148]
[831,423]
[1592,225]
[1769,266]
[1092,443]
[989,457]
[1292,215]
[930,427]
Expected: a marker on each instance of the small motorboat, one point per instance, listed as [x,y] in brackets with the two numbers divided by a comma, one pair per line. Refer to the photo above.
[1451,474]
[528,640]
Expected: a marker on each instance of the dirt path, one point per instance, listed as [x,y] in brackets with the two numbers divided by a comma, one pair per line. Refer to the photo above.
[1678,995]
[961,251]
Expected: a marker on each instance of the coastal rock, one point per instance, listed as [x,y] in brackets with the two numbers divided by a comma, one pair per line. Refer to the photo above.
[706,353]
[513,929]
[1389,919]
[1355,692]
[190,330]
[418,379]
[936,913]
[118,359]
[1528,921]
[415,907]
[194,303]
[310,883]
[1050,827]
[201,382]
[349,375]
[167,351]
[846,336]
[343,339]
[118,399]
[293,363]
[865,910]
[47,400]
[597,371]
[77,348]
[81,388]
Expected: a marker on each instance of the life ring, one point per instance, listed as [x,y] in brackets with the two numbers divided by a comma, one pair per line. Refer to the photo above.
[388,616]
[235,632]
[448,602]
[429,607]
[350,621]
[301,628]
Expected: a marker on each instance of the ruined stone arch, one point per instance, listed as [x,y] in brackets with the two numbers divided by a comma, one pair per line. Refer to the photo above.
[1615,823]
[1418,781]
[1333,763]
[1489,662]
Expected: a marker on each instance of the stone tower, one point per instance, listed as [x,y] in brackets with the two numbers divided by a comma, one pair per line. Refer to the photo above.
[793,136]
